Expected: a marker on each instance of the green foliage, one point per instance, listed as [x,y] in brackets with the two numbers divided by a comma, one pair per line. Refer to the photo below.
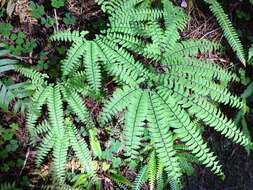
[228,29]
[94,143]
[2,12]
[5,29]
[69,19]
[167,101]
[57,3]
[20,44]
[37,10]
[9,145]
[141,178]
[246,111]
[57,130]
[250,54]
[9,90]
[60,132]
[48,21]
[164,91]
[8,186]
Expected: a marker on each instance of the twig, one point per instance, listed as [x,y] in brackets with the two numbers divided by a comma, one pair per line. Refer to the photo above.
[56,20]
[206,34]
[26,158]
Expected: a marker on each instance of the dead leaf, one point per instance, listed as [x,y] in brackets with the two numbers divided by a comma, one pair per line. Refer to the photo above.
[2,2]
[10,7]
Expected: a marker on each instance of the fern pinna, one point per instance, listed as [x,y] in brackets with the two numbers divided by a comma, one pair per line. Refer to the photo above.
[57,130]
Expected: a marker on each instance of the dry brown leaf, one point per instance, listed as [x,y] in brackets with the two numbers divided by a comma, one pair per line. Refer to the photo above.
[10,7]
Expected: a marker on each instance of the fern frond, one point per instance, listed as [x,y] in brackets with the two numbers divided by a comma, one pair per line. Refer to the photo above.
[186,166]
[92,67]
[78,82]
[160,177]
[74,55]
[38,99]
[141,178]
[60,151]
[196,67]
[117,103]
[216,119]
[69,36]
[127,41]
[42,128]
[229,31]
[120,63]
[81,150]
[162,137]
[206,88]
[36,77]
[193,48]
[6,64]
[152,170]
[8,186]
[45,147]
[134,123]
[189,133]
[6,96]
[55,109]
[77,105]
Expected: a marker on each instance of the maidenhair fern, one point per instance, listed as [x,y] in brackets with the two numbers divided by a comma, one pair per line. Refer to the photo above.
[163,87]
[58,130]
[153,172]
[8,186]
[228,29]
[172,100]
[9,90]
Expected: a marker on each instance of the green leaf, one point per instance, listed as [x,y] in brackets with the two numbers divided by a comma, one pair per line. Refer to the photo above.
[250,55]
[5,29]
[119,178]
[57,3]
[94,143]
[37,10]
[116,162]
[69,19]
[48,21]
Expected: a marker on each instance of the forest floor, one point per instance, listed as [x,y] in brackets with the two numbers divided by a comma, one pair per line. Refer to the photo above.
[238,165]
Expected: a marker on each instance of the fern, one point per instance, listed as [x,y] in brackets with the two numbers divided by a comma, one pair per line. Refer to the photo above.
[140,179]
[166,101]
[13,92]
[74,55]
[8,186]
[228,29]
[57,131]
[109,49]
[69,36]
[81,150]
[134,123]
[163,87]
[152,170]
[159,132]
[60,156]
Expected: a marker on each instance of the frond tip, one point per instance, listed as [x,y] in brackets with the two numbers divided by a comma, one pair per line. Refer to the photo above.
[229,31]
